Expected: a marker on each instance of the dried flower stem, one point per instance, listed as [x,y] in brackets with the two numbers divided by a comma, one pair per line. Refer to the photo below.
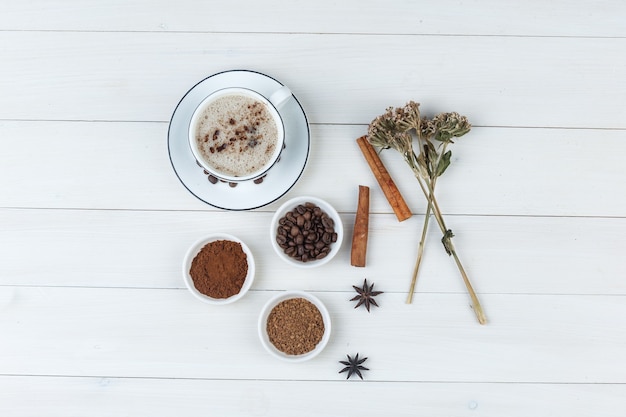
[393,130]
[428,191]
[420,254]
[478,310]
[420,248]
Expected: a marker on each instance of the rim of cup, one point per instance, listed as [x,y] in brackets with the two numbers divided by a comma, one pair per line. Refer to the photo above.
[267,309]
[193,124]
[195,249]
[328,209]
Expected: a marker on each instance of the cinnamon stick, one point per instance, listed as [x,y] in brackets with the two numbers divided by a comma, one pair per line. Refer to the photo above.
[361,228]
[395,199]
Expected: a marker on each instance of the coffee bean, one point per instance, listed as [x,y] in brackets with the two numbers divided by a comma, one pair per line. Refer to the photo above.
[306,233]
[327,222]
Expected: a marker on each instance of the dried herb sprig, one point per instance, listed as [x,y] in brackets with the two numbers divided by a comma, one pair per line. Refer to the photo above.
[396,129]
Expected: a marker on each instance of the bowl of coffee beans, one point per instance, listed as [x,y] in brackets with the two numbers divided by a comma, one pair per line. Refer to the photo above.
[218,269]
[306,232]
[294,326]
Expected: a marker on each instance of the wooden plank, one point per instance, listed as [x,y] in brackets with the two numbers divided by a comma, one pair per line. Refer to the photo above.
[105,396]
[495,81]
[554,172]
[94,319]
[533,18]
[113,248]
[169,334]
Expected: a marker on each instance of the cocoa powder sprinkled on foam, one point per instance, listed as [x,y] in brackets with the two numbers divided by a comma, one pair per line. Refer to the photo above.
[237,135]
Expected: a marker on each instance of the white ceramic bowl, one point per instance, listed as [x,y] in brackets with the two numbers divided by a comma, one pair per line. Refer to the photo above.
[267,309]
[195,249]
[290,205]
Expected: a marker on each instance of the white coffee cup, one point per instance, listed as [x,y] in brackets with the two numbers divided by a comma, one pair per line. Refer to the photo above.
[242,156]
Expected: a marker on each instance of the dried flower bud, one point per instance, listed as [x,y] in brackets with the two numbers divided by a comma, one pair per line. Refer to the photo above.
[427,128]
[450,125]
[408,117]
[387,131]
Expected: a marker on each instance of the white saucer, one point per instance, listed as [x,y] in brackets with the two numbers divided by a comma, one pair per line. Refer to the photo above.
[246,195]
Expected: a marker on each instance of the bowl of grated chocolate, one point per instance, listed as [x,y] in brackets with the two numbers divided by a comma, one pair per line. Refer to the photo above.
[306,232]
[294,326]
[218,269]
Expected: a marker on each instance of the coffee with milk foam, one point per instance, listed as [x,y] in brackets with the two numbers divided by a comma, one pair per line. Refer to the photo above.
[237,135]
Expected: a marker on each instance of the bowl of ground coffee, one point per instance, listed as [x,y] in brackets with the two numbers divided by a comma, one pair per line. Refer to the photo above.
[218,269]
[294,326]
[306,232]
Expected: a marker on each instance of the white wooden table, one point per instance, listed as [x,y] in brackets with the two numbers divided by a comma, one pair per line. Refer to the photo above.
[94,316]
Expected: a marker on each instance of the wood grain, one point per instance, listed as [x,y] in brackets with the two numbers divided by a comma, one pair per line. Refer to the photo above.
[94,316]
[169,334]
[144,249]
[495,81]
[487,17]
[105,396]
[494,171]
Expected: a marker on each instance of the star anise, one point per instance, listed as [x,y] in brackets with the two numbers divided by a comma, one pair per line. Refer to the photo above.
[365,295]
[354,366]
